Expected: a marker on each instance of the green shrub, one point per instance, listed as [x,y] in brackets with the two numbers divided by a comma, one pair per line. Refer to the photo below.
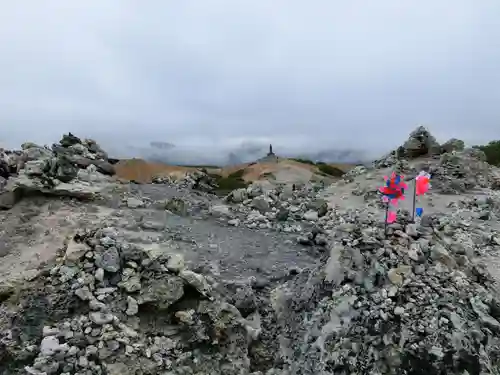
[269,175]
[228,184]
[330,170]
[492,151]
[305,161]
[232,182]
[200,166]
[238,174]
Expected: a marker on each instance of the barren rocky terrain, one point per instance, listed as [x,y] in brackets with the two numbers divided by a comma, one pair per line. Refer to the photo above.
[101,275]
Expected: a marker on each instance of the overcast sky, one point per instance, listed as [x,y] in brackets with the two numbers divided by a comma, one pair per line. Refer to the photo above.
[317,73]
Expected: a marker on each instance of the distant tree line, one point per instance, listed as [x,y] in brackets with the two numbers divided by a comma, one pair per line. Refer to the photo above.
[492,151]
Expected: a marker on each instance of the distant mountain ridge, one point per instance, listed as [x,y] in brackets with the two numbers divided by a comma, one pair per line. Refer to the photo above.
[168,153]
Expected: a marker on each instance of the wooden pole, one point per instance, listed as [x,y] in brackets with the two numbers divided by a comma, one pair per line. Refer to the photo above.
[414,200]
[386,216]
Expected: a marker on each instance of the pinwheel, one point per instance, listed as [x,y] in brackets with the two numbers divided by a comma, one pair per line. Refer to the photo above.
[393,191]
[422,186]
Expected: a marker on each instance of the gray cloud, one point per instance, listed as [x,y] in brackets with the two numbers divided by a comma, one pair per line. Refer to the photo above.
[218,73]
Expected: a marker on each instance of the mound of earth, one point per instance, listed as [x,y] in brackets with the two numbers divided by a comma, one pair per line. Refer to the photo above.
[144,172]
[286,171]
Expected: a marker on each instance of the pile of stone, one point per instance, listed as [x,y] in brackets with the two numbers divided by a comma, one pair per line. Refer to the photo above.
[419,302]
[462,172]
[9,161]
[420,143]
[196,180]
[454,169]
[135,310]
[163,180]
[70,168]
[281,208]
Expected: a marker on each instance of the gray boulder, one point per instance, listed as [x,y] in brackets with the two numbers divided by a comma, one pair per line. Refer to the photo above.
[453,144]
[420,143]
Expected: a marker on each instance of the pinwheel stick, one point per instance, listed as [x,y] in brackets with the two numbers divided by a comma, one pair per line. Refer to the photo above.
[386,217]
[414,200]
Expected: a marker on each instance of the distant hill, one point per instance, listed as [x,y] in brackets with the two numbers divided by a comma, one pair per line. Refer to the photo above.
[167,153]
[282,171]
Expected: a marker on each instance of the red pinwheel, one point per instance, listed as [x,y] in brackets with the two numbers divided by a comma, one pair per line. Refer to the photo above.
[393,191]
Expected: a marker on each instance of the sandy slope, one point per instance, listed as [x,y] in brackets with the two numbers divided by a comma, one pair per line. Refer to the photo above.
[285,170]
[142,171]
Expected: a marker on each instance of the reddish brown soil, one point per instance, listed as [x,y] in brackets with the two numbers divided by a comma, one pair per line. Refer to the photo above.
[142,171]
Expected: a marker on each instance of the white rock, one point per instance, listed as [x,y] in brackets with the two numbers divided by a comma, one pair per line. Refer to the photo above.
[132,306]
[220,210]
[49,331]
[311,215]
[101,318]
[134,203]
[49,346]
[99,274]
[399,310]
[234,222]
[175,263]
[75,251]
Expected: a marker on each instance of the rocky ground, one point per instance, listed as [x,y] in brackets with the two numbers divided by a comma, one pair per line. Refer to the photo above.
[100,276]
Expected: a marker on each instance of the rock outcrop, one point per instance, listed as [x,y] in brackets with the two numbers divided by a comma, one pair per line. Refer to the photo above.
[197,180]
[420,143]
[72,168]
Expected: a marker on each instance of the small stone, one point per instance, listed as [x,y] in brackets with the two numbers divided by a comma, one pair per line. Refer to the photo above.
[311,215]
[75,251]
[439,253]
[49,331]
[175,263]
[195,280]
[134,203]
[73,351]
[113,345]
[49,346]
[94,304]
[395,277]
[132,306]
[132,284]
[220,210]
[99,275]
[399,310]
[83,362]
[91,350]
[84,294]
[234,222]
[185,317]
[109,260]
[101,318]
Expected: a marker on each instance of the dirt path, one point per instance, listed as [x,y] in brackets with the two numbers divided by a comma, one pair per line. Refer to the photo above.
[34,230]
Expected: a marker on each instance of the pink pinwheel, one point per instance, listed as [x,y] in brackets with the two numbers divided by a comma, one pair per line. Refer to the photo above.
[422,186]
[422,183]
[393,191]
